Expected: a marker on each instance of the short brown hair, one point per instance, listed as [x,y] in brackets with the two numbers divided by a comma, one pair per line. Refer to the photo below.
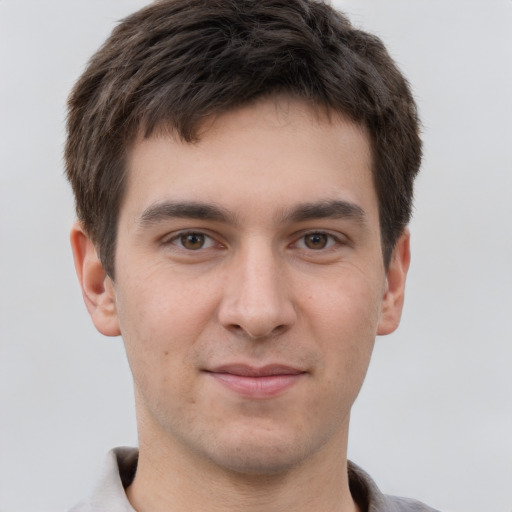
[177,62]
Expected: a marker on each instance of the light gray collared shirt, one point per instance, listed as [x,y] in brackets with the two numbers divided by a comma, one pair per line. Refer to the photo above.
[121,463]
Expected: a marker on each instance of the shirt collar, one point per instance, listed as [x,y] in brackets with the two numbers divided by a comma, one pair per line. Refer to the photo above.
[121,464]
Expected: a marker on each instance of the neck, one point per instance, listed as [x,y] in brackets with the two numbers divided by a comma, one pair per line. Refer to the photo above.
[170,479]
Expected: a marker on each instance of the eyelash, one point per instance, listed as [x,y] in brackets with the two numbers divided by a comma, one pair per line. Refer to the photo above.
[177,240]
[331,241]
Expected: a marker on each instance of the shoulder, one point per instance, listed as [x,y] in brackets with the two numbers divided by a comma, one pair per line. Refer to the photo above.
[118,471]
[369,497]
[408,505]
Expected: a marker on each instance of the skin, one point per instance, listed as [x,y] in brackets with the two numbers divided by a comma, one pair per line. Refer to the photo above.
[219,262]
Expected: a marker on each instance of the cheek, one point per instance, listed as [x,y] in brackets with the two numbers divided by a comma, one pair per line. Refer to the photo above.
[349,304]
[161,323]
[158,333]
[345,318]
[161,302]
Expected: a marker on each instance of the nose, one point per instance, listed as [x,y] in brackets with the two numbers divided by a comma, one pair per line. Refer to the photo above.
[257,295]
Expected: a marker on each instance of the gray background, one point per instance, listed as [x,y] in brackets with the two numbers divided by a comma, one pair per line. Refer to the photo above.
[434,419]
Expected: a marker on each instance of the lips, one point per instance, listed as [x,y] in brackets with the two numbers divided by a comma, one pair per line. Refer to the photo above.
[250,371]
[256,382]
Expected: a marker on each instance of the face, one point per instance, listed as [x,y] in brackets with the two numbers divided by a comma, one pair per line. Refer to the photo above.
[249,285]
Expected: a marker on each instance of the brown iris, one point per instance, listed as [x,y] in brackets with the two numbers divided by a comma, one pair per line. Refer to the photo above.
[316,240]
[192,241]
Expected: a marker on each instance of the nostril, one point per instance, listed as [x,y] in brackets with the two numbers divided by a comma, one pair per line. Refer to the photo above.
[257,334]
[279,329]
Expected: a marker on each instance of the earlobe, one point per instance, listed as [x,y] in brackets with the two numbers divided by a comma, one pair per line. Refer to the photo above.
[396,274]
[97,287]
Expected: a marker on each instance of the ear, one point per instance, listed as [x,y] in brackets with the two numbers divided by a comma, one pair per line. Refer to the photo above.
[396,274]
[97,287]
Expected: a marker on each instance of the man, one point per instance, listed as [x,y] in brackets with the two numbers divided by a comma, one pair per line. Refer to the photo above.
[243,175]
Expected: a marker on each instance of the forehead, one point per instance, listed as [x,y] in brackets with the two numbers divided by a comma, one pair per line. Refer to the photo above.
[272,153]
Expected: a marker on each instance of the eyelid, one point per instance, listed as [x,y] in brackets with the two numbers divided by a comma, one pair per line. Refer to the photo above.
[338,239]
[172,238]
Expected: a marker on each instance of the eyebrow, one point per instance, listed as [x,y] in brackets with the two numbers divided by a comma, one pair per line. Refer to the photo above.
[185,210]
[334,209]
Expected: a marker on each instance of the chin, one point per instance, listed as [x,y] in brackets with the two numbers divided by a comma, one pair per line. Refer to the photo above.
[266,462]
[260,455]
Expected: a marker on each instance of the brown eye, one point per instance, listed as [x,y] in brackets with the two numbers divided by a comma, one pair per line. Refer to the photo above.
[316,240]
[192,241]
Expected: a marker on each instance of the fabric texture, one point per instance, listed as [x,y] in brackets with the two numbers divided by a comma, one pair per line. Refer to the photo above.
[121,465]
